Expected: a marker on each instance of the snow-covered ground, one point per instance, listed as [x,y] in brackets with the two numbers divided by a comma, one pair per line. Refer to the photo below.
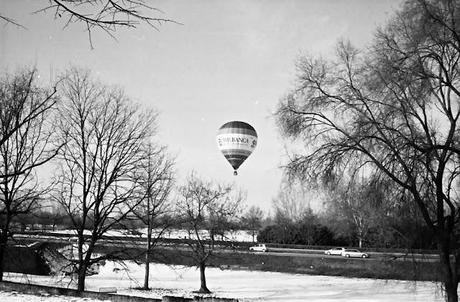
[17,297]
[243,285]
[240,235]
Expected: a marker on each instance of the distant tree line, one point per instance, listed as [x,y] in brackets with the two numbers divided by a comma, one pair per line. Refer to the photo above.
[303,233]
[366,214]
[408,234]
[334,224]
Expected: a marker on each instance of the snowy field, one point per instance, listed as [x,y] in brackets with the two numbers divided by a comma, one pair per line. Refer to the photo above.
[17,297]
[243,285]
[240,235]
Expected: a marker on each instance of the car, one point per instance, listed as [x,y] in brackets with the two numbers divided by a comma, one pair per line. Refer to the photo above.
[258,248]
[352,253]
[335,251]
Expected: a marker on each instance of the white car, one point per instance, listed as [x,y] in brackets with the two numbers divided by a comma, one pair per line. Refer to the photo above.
[351,253]
[335,251]
[258,248]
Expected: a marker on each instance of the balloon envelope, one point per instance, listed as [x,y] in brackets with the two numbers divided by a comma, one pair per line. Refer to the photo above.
[236,140]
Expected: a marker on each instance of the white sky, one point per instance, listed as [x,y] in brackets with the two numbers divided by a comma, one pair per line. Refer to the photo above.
[229,60]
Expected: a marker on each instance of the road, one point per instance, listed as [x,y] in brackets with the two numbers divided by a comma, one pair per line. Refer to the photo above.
[373,255]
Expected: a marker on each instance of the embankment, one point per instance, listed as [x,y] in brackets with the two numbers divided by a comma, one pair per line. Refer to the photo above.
[315,264]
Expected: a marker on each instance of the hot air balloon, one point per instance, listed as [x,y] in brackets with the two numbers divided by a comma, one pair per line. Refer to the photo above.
[236,140]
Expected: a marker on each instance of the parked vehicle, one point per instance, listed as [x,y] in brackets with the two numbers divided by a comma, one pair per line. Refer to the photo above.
[335,251]
[258,248]
[351,253]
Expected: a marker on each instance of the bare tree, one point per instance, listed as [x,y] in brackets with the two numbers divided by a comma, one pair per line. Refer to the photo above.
[21,104]
[357,202]
[25,144]
[105,15]
[96,184]
[51,214]
[291,201]
[156,180]
[203,206]
[394,109]
[252,219]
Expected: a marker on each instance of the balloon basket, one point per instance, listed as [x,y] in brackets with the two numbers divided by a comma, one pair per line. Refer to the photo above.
[235,173]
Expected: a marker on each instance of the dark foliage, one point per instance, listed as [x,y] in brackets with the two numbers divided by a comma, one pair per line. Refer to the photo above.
[303,233]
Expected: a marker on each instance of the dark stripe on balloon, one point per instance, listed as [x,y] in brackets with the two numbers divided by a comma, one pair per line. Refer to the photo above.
[242,157]
[236,151]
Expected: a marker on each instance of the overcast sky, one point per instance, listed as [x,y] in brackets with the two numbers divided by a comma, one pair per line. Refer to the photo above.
[227,60]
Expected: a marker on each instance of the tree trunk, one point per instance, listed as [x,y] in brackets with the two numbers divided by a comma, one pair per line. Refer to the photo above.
[451,292]
[449,276]
[3,245]
[203,287]
[147,258]
[2,255]
[147,271]
[81,277]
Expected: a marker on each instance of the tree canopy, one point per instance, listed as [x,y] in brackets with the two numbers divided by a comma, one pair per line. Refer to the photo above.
[104,15]
[391,110]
